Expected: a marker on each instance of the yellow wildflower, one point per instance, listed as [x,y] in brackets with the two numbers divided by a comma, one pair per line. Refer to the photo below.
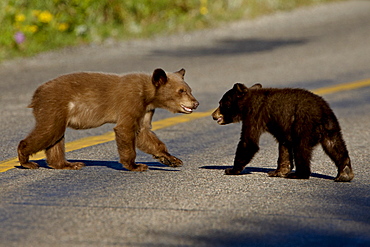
[31,28]
[63,26]
[20,17]
[45,17]
[203,10]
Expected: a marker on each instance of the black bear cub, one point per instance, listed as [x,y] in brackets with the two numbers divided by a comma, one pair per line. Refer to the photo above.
[297,118]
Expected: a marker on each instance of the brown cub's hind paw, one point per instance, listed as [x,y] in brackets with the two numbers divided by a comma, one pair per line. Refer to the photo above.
[136,167]
[345,176]
[73,166]
[169,161]
[30,165]
[231,171]
[68,165]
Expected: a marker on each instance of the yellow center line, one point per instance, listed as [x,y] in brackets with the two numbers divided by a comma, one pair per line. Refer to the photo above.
[164,123]
[342,87]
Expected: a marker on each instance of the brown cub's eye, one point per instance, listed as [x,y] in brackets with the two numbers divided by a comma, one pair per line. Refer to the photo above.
[182,91]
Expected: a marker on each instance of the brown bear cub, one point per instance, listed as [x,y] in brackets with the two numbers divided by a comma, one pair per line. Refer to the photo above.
[297,118]
[88,100]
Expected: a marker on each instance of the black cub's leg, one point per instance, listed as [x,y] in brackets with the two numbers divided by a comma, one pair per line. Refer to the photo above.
[244,154]
[285,161]
[335,148]
[302,157]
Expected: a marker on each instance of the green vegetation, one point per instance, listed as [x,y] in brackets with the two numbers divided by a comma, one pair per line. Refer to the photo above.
[31,26]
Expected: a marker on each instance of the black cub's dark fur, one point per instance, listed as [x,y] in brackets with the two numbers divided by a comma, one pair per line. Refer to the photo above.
[298,119]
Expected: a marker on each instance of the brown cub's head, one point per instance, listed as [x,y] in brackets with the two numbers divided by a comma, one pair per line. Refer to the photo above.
[229,110]
[172,92]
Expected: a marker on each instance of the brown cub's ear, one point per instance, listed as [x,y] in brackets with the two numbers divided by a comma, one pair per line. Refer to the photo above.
[181,72]
[240,88]
[159,77]
[256,86]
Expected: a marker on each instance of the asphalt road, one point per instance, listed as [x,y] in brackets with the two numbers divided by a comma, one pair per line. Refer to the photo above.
[104,205]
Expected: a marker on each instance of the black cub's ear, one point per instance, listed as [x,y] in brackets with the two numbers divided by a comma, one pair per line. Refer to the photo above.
[181,72]
[256,86]
[240,88]
[159,77]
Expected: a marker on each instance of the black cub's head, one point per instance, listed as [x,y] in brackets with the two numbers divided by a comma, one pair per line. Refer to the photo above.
[230,104]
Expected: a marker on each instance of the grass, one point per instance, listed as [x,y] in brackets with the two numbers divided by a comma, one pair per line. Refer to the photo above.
[32,26]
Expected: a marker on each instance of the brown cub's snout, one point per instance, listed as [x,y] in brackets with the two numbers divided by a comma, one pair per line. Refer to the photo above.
[190,109]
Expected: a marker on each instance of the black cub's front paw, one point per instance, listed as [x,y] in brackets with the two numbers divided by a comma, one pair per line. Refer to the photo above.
[231,171]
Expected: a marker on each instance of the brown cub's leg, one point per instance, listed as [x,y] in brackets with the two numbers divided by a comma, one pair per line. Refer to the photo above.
[125,138]
[48,135]
[24,152]
[39,139]
[148,142]
[285,161]
[56,159]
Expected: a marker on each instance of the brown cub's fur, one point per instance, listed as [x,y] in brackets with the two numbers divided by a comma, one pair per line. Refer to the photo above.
[298,119]
[88,100]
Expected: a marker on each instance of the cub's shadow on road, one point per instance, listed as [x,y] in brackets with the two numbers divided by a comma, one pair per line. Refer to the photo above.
[250,170]
[110,164]
[160,167]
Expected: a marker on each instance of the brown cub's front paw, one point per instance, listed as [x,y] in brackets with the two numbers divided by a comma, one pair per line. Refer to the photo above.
[278,173]
[294,175]
[231,171]
[170,161]
[30,165]
[345,176]
[136,167]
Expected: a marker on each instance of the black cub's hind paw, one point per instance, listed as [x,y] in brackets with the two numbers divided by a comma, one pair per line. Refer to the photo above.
[345,176]
[278,173]
[231,171]
[294,175]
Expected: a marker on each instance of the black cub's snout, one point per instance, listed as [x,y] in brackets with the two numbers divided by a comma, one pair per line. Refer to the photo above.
[215,114]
